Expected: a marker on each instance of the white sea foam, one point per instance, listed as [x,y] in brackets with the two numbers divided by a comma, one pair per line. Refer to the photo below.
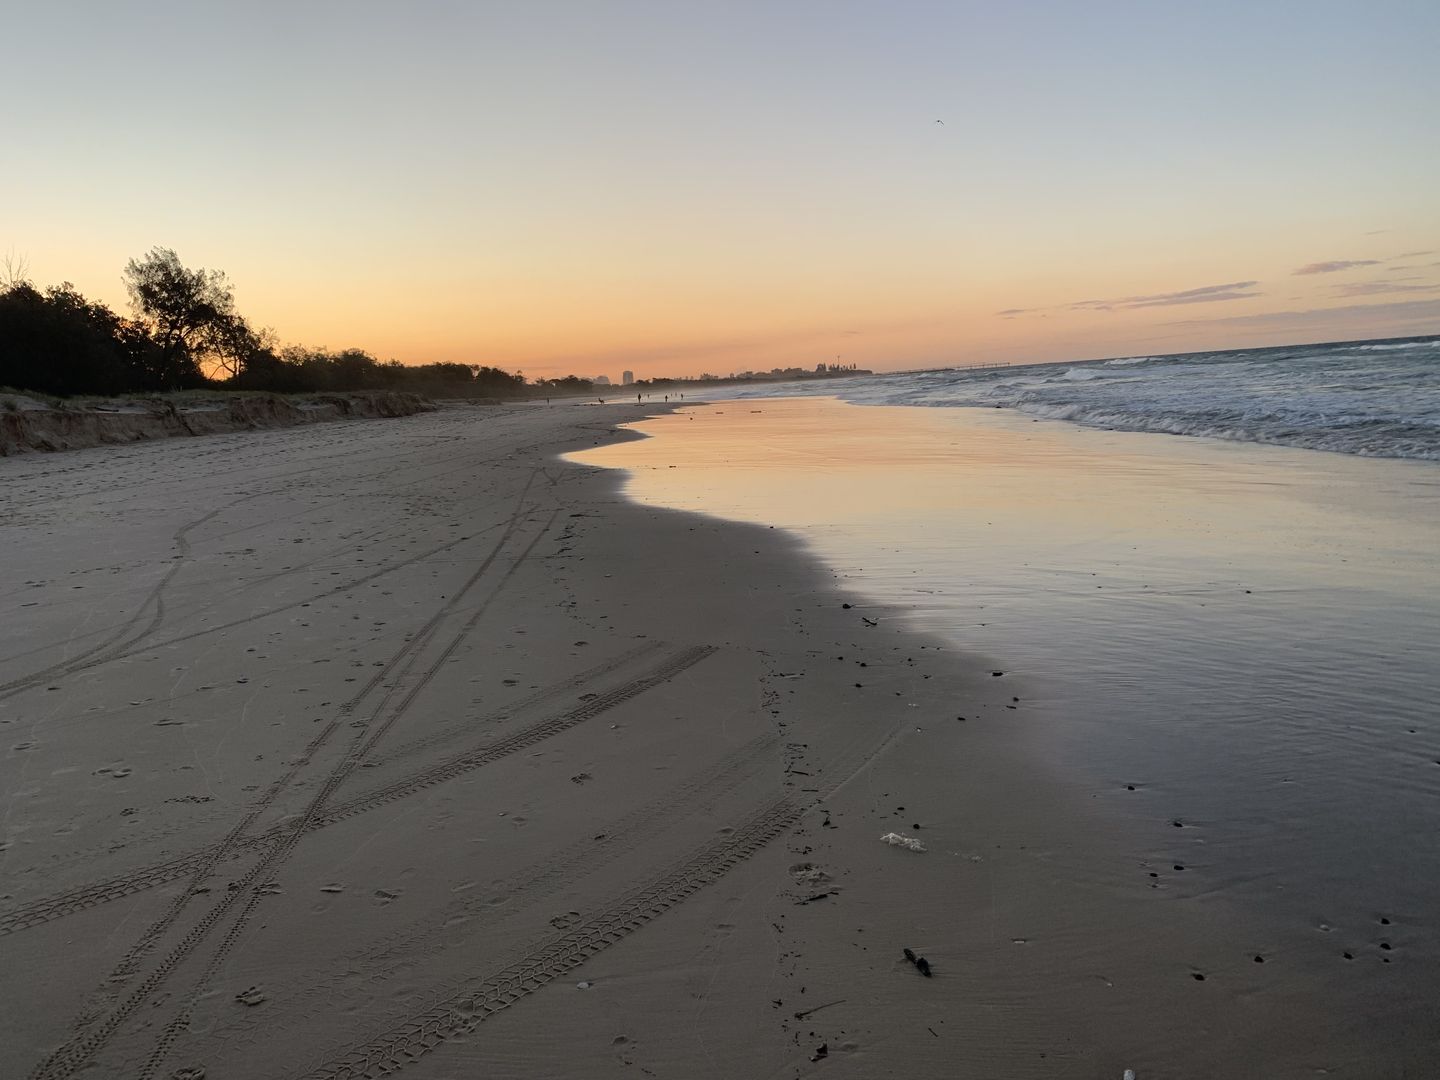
[1376,400]
[1387,346]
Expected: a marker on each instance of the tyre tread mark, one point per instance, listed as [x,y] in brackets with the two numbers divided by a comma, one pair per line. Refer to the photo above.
[461,1013]
[574,682]
[128,649]
[117,642]
[84,1044]
[511,744]
[563,866]
[50,908]
[287,842]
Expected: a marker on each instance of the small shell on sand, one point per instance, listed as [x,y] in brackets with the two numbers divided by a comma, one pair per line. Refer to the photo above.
[896,839]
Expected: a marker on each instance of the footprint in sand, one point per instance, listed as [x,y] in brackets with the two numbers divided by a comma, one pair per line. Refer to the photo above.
[808,874]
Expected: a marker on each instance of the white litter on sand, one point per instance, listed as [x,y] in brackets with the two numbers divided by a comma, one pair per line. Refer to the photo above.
[897,840]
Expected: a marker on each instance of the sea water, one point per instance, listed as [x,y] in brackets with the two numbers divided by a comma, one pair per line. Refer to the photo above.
[1376,399]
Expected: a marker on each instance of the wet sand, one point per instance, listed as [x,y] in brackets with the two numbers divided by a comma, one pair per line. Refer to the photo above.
[1238,638]
[408,745]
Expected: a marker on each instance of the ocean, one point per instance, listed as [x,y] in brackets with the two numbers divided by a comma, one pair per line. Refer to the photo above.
[1372,398]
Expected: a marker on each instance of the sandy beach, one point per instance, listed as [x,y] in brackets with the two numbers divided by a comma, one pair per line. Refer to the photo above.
[406,745]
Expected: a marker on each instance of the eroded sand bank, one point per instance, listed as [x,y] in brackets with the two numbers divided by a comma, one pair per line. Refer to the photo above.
[407,745]
[30,425]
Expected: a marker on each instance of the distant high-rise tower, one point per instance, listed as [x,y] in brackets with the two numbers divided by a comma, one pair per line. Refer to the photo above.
[627,378]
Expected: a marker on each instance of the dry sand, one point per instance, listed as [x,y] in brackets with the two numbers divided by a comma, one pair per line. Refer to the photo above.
[406,745]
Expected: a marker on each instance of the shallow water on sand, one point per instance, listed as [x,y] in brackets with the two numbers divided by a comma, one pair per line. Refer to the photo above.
[1241,640]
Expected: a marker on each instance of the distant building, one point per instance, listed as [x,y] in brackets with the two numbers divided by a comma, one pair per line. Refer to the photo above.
[602,380]
[627,378]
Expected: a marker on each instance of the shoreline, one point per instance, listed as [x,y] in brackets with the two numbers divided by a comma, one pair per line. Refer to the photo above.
[867,490]
[517,772]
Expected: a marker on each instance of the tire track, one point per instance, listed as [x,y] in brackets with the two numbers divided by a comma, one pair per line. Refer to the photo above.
[73,664]
[98,654]
[128,649]
[512,744]
[48,909]
[407,652]
[205,865]
[461,1013]
[559,868]
[575,682]
[84,1044]
[350,543]
[315,816]
[415,746]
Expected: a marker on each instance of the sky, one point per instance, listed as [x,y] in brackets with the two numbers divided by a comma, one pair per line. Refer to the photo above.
[676,187]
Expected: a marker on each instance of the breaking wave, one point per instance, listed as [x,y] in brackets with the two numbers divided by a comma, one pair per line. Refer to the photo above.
[1374,399]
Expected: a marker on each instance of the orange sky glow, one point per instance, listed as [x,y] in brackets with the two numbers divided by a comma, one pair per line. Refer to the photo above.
[565,188]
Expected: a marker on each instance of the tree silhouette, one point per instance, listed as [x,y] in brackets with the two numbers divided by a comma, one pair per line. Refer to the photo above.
[57,342]
[186,327]
[230,344]
[180,306]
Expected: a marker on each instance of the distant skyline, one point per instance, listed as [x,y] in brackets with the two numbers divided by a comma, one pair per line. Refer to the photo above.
[676,187]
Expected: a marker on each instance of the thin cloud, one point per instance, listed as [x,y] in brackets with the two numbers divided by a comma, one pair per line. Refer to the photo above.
[1206,294]
[1412,254]
[1402,314]
[1334,266]
[1239,291]
[1375,288]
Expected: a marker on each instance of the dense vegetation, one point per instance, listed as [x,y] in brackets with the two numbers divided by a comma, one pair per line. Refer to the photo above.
[185,333]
